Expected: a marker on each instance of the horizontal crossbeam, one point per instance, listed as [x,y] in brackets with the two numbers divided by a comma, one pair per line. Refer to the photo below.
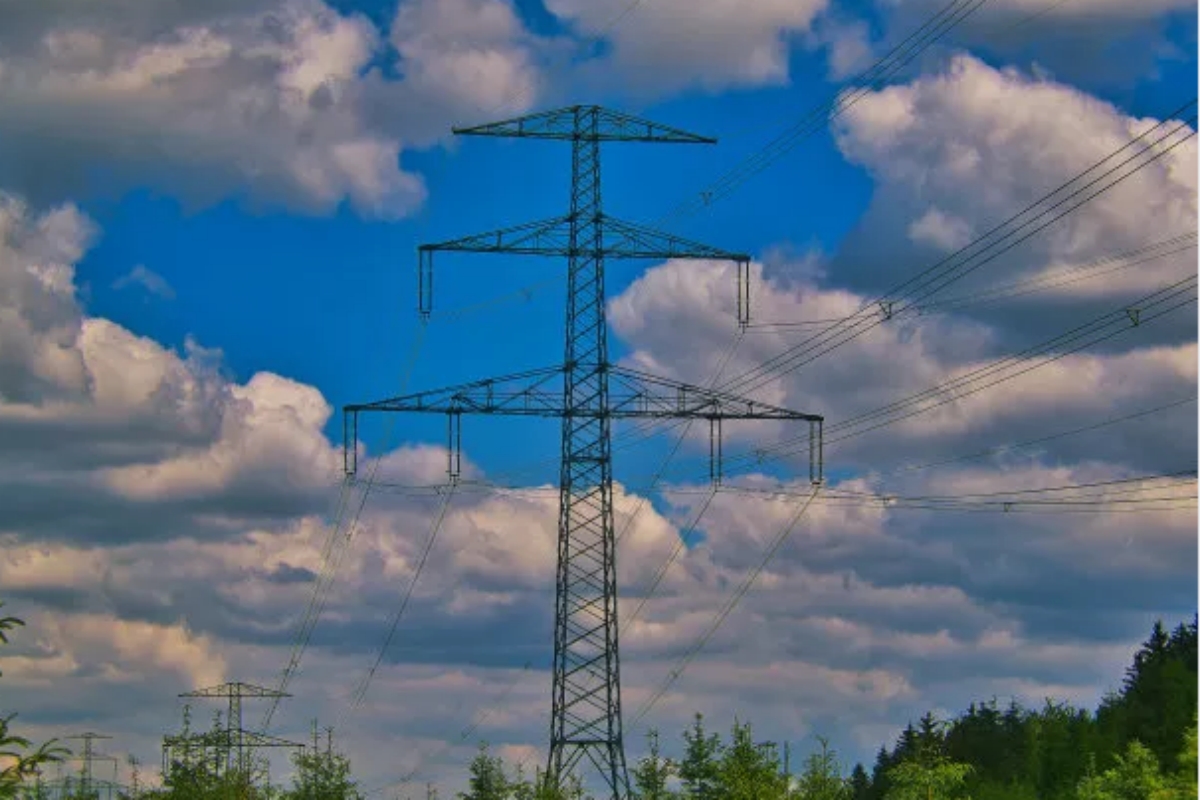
[552,237]
[538,393]
[632,395]
[561,124]
[235,689]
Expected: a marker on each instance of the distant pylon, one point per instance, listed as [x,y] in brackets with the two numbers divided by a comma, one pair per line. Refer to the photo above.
[239,744]
[87,776]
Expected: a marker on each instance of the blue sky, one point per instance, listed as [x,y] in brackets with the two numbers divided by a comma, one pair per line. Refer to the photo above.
[254,178]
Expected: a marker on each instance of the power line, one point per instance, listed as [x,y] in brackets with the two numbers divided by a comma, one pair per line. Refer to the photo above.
[725,611]
[1089,334]
[947,271]
[1040,283]
[360,692]
[1042,439]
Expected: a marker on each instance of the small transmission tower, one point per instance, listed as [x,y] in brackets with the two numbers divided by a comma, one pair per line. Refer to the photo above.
[586,696]
[87,775]
[234,741]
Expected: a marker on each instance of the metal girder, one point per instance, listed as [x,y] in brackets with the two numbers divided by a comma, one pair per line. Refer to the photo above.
[537,393]
[632,395]
[235,688]
[552,237]
[609,126]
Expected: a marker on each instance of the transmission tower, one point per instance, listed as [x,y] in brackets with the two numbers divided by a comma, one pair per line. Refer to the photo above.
[89,756]
[586,697]
[236,743]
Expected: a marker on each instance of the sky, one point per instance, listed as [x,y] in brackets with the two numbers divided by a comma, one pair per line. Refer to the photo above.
[209,215]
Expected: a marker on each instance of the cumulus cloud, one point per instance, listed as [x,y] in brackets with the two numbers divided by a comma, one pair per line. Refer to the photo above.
[1087,42]
[670,45]
[281,103]
[133,427]
[986,143]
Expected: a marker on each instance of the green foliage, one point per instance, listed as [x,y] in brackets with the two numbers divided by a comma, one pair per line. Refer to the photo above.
[749,771]
[1135,776]
[488,781]
[925,779]
[860,784]
[699,769]
[22,760]
[322,774]
[925,771]
[822,777]
[1185,778]
[653,772]
[1158,697]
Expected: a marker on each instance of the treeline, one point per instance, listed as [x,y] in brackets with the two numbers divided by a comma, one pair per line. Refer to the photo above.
[1140,744]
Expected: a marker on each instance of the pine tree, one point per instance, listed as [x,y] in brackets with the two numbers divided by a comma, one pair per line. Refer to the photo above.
[488,781]
[924,771]
[860,784]
[322,774]
[822,776]
[748,771]
[879,774]
[652,772]
[699,768]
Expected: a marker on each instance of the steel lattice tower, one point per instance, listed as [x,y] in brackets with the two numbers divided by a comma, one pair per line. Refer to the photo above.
[237,743]
[90,756]
[586,704]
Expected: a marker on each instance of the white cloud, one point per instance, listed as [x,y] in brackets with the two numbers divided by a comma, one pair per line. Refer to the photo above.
[280,103]
[985,143]
[1086,42]
[669,45]
[148,279]
[943,231]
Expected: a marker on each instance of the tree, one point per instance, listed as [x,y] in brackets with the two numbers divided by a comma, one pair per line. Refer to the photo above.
[23,762]
[822,777]
[860,784]
[747,771]
[1136,776]
[652,773]
[926,772]
[1159,694]
[488,781]
[927,779]
[322,774]
[699,769]
[1185,779]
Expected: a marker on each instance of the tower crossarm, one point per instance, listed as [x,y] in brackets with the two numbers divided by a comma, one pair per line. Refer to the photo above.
[235,689]
[561,123]
[552,237]
[537,393]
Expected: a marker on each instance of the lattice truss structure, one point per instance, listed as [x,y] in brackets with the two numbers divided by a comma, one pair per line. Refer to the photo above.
[586,393]
[230,749]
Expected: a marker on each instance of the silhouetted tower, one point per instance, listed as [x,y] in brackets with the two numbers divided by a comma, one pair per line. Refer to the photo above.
[586,696]
[87,775]
[238,743]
